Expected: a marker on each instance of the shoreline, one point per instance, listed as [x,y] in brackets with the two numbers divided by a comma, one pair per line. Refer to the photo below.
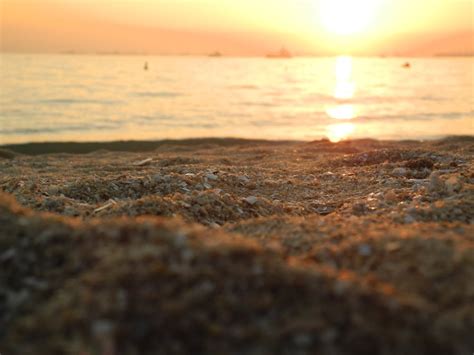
[76,147]
[38,148]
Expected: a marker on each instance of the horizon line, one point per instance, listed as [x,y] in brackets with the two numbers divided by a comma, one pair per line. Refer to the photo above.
[223,55]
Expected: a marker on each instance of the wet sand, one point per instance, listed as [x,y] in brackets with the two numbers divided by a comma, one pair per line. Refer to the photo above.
[222,246]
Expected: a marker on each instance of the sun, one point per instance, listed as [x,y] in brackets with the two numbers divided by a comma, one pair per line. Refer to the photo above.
[348,17]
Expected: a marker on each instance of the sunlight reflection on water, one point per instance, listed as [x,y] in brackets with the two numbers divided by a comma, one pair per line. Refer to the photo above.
[345,87]
[344,90]
[103,98]
[342,112]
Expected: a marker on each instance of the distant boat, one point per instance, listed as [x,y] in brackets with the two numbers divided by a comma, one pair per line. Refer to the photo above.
[145,67]
[406,65]
[283,53]
[215,54]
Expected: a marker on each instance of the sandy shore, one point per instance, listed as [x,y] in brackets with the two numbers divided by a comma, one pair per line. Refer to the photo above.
[237,247]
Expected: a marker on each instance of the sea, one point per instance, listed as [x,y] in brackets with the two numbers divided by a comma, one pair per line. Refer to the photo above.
[45,98]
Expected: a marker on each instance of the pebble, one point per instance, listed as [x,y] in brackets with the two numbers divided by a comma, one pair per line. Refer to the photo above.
[167,178]
[453,185]
[409,219]
[399,172]
[211,176]
[365,249]
[419,184]
[436,184]
[157,178]
[7,255]
[419,164]
[341,286]
[53,190]
[439,204]
[391,196]
[392,246]
[251,200]
[359,208]
[243,179]
[303,340]
[102,328]
[329,336]
[70,211]
[202,199]
[16,299]
[53,204]
[35,283]
[412,210]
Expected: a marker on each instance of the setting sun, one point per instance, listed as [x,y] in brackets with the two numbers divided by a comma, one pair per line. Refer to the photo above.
[347,17]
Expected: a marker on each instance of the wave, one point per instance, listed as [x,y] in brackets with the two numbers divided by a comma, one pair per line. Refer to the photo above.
[65,101]
[157,94]
[63,128]
[244,87]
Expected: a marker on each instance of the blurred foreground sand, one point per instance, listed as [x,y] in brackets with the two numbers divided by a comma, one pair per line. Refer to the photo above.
[259,248]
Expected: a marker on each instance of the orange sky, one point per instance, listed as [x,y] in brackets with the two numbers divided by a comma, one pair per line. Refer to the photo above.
[238,27]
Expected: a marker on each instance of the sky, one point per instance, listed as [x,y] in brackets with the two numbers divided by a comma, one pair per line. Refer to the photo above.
[238,27]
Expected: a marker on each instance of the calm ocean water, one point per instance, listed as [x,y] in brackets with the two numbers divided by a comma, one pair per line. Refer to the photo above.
[100,98]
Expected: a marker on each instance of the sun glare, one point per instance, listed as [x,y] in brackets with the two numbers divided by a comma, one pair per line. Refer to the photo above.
[347,17]
[340,131]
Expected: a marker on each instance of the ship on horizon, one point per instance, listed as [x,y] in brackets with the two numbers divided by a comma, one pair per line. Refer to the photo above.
[283,54]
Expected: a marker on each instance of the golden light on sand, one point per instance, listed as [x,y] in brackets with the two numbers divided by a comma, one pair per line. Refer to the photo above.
[347,17]
[340,131]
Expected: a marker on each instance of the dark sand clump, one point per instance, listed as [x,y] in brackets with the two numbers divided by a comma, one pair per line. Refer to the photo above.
[261,248]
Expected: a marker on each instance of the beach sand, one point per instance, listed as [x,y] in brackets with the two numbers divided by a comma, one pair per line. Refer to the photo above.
[221,246]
